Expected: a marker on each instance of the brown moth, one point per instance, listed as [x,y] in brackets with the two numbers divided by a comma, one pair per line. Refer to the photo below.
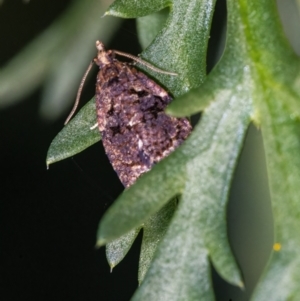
[136,132]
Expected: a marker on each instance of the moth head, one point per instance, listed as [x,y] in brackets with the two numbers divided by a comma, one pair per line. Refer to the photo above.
[100,46]
[103,56]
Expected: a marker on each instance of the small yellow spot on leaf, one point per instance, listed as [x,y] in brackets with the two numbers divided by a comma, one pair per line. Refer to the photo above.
[277,247]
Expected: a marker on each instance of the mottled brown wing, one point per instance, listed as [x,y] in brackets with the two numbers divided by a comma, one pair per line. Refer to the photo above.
[136,133]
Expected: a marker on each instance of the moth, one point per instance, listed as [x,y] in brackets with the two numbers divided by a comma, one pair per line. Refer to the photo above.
[136,132]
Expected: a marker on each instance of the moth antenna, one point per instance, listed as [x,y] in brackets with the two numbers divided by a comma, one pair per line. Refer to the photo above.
[79,92]
[142,62]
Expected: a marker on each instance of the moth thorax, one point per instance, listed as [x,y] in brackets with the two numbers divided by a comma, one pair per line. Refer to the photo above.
[103,58]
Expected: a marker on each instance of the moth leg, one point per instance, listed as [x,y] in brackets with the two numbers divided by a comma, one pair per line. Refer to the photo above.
[94,126]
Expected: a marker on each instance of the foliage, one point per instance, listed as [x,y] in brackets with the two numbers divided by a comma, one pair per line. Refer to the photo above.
[257,79]
[57,58]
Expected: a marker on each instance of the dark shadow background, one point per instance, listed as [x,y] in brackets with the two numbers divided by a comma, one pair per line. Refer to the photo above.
[49,218]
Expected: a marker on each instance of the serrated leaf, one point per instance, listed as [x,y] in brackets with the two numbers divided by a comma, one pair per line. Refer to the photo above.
[146,200]
[198,229]
[211,151]
[153,231]
[76,136]
[258,77]
[274,86]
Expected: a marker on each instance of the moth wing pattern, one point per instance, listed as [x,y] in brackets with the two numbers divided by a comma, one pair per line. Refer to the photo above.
[136,132]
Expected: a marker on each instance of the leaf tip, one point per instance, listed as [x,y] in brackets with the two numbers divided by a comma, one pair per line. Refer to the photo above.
[111,12]
[48,162]
[111,267]
[255,117]
[100,242]
[241,285]
[173,111]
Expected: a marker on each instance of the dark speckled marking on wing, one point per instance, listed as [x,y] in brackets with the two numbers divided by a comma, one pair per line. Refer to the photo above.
[136,132]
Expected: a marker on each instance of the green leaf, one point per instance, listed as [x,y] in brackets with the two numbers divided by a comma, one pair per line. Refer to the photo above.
[149,26]
[153,231]
[163,41]
[182,43]
[142,195]
[257,78]
[273,84]
[58,56]
[75,136]
[134,9]
[198,229]
[276,93]
[118,248]
[212,154]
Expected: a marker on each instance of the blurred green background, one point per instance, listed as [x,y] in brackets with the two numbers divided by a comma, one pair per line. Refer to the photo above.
[48,218]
